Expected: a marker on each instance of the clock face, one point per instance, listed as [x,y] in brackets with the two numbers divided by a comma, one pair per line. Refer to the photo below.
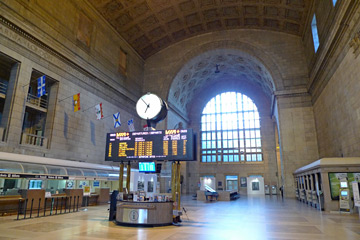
[149,106]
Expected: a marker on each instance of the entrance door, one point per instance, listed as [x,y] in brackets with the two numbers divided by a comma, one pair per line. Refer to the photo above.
[231,183]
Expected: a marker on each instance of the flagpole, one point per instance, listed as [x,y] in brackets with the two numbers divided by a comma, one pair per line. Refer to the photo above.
[32,81]
[107,116]
[89,108]
[65,98]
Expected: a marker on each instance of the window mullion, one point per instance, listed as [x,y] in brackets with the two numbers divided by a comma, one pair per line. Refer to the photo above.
[214,148]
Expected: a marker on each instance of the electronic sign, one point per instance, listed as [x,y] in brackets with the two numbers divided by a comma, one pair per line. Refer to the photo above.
[147,167]
[172,145]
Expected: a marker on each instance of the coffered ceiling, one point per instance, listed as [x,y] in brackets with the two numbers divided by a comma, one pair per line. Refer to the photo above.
[151,25]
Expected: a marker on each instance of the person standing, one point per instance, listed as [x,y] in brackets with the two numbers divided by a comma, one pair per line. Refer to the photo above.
[282,191]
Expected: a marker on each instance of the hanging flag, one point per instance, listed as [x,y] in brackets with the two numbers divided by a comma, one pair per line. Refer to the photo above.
[131,125]
[117,122]
[76,102]
[99,111]
[41,86]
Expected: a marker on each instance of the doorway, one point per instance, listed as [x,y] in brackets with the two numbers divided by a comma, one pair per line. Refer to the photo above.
[231,183]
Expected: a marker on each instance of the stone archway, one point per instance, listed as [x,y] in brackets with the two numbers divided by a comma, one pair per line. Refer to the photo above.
[213,66]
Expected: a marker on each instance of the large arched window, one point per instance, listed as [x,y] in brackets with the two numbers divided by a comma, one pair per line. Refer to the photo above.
[230,130]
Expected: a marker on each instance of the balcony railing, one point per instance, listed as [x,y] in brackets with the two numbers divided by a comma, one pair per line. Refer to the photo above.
[34,100]
[34,140]
[3,87]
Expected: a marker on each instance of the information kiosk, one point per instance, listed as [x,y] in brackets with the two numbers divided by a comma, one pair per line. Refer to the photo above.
[154,145]
[345,196]
[135,208]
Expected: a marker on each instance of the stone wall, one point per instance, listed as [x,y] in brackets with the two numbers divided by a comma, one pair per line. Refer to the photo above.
[298,142]
[81,52]
[283,57]
[337,111]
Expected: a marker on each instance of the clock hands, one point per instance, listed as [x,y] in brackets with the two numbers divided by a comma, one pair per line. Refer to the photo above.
[147,105]
[144,101]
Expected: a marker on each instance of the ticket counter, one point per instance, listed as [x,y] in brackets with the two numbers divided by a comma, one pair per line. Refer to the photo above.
[318,183]
[130,213]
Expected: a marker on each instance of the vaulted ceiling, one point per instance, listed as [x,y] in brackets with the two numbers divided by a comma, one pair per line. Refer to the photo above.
[152,25]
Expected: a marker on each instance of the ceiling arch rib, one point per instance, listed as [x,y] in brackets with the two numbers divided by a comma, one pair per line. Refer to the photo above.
[152,25]
[201,72]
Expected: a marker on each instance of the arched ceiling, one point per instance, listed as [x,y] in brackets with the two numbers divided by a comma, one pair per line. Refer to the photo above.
[201,72]
[151,25]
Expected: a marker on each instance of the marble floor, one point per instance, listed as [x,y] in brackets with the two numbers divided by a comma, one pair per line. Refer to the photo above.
[267,218]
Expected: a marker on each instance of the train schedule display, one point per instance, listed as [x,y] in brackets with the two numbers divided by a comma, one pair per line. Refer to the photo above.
[172,145]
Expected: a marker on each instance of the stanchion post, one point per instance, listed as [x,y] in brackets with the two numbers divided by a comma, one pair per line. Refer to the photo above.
[62,199]
[74,203]
[26,201]
[39,207]
[45,207]
[57,204]
[70,204]
[66,198]
[51,206]
[77,204]
[31,207]
[121,177]
[19,209]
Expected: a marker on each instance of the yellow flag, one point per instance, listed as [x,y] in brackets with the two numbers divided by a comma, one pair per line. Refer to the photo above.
[76,102]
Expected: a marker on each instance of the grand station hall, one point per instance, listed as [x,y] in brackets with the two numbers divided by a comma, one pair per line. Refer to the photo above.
[179,119]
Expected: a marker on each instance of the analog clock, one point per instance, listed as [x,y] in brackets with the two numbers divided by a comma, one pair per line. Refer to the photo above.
[151,107]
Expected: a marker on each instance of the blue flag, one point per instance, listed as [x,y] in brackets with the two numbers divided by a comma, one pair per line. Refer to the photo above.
[117,122]
[41,86]
[131,125]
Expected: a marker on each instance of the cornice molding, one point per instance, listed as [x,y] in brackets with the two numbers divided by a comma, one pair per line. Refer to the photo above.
[323,69]
[20,32]
[291,92]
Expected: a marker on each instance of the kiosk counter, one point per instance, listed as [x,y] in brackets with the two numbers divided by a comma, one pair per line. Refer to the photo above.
[131,213]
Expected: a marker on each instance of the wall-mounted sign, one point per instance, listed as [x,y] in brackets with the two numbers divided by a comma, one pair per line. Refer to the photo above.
[36,176]
[243,182]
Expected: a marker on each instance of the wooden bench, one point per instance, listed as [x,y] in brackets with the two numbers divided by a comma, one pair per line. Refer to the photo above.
[10,204]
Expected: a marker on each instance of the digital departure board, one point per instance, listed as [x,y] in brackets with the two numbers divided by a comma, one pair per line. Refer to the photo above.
[175,145]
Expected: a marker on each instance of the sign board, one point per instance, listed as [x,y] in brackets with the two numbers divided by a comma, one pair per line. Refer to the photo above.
[356,193]
[87,190]
[35,176]
[173,145]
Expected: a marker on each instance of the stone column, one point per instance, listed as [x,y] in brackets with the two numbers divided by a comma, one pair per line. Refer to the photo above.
[297,136]
[19,91]
[10,94]
[50,115]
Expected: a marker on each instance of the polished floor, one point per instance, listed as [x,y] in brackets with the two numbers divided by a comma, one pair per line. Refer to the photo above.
[267,218]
